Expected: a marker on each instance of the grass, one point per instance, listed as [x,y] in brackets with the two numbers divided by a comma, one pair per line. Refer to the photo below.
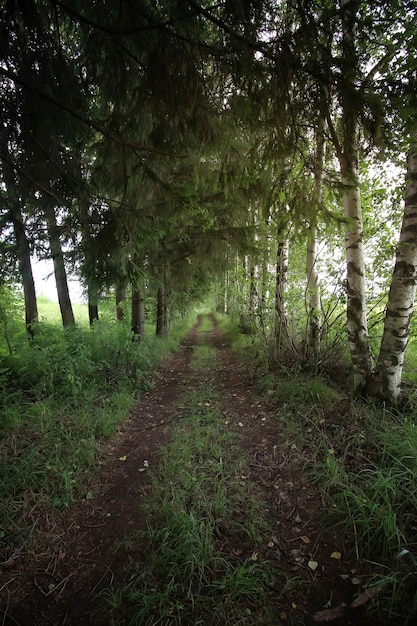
[49,312]
[192,576]
[363,458]
[60,397]
[370,492]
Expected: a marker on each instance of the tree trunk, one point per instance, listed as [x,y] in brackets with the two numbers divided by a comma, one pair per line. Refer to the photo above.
[386,381]
[89,261]
[59,266]
[280,321]
[120,300]
[138,310]
[25,267]
[313,280]
[252,293]
[23,251]
[220,294]
[357,323]
[161,312]
[313,294]
[92,303]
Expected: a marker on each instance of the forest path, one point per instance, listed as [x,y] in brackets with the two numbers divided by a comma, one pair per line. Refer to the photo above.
[85,549]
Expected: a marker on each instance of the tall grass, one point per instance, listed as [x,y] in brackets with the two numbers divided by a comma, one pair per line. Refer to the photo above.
[60,395]
[363,458]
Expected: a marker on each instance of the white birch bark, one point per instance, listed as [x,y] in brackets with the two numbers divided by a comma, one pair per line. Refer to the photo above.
[357,323]
[349,165]
[401,297]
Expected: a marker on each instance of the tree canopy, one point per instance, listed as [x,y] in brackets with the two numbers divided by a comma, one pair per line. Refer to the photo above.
[199,145]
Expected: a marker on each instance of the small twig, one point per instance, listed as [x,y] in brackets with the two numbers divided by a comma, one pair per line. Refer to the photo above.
[62,583]
[95,586]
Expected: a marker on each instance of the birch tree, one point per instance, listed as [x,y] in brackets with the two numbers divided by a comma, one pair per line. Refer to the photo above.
[348,155]
[386,380]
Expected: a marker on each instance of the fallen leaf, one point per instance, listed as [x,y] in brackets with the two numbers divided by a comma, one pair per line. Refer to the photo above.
[254,556]
[336,555]
[329,615]
[344,576]
[271,544]
[355,581]
[238,552]
[297,519]
[328,604]
[367,595]
[305,539]
[403,553]
[293,605]
[146,464]
[122,458]
[313,565]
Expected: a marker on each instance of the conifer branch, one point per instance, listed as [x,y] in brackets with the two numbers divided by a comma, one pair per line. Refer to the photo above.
[86,119]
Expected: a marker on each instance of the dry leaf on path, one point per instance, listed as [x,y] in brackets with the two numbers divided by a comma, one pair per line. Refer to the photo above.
[329,615]
[367,595]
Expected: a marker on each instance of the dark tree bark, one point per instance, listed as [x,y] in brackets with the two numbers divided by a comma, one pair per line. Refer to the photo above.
[161,312]
[89,262]
[25,267]
[138,310]
[59,266]
[22,250]
[92,304]
[120,300]
[280,286]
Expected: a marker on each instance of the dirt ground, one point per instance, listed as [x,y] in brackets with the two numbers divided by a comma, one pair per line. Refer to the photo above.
[82,550]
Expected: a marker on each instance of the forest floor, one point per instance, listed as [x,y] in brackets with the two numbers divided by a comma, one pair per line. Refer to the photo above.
[83,550]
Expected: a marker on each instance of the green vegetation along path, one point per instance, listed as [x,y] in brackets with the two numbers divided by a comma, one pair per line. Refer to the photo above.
[200,515]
